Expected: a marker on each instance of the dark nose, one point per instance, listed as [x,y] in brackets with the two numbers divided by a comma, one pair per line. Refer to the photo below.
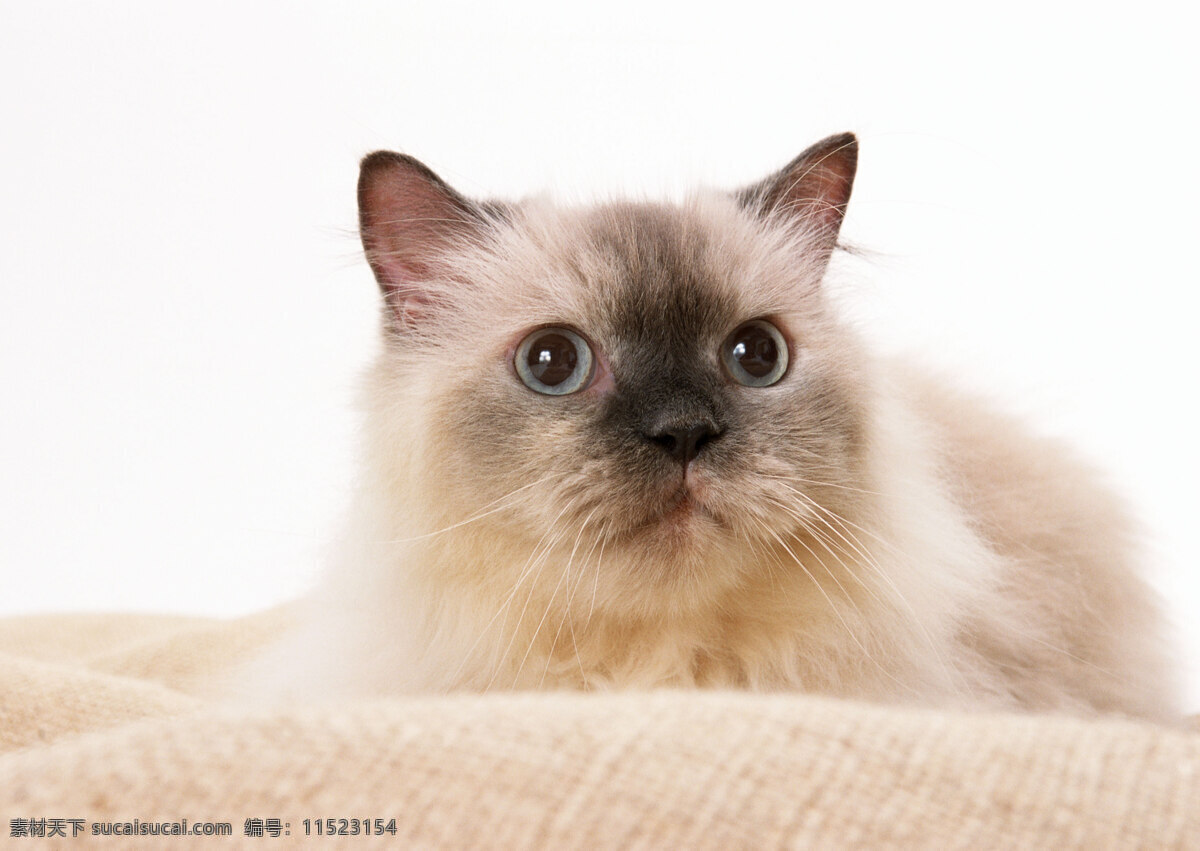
[683,443]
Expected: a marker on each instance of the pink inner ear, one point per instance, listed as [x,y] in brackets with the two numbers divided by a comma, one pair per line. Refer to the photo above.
[815,187]
[821,193]
[408,218]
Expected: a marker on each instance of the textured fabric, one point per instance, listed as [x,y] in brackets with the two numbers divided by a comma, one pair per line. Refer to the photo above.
[103,718]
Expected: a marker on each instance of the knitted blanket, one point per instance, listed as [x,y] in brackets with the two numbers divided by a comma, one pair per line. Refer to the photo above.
[106,735]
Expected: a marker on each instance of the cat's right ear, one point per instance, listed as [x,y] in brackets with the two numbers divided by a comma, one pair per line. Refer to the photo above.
[410,220]
[811,192]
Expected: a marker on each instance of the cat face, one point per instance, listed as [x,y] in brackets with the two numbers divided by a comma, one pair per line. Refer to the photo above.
[657,389]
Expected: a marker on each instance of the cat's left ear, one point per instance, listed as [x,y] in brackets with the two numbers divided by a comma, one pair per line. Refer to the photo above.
[812,191]
[410,221]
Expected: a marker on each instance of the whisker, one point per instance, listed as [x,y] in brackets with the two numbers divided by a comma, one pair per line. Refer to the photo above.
[539,564]
[479,516]
[829,545]
[834,608]
[538,629]
[508,600]
[818,482]
[596,584]
[570,596]
[869,561]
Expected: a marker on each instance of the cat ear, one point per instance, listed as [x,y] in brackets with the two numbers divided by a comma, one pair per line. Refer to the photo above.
[409,220]
[812,190]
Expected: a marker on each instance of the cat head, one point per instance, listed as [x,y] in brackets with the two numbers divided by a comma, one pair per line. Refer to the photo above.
[658,392]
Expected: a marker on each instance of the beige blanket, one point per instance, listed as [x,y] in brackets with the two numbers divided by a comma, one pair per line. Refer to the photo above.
[102,721]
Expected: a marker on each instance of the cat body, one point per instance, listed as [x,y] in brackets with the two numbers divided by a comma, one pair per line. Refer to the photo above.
[632,446]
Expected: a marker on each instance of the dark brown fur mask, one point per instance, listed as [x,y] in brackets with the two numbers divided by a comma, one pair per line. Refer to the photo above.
[657,389]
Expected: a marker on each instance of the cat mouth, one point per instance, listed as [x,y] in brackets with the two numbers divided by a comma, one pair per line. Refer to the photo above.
[681,506]
[679,515]
[684,511]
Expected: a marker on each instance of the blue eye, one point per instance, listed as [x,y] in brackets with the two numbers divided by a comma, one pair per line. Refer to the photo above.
[756,354]
[554,361]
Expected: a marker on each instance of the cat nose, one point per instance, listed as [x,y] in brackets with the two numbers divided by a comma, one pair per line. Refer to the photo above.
[683,442]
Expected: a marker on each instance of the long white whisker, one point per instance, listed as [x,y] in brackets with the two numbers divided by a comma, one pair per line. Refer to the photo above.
[596,584]
[818,483]
[823,515]
[536,569]
[481,515]
[570,596]
[833,607]
[516,586]
[538,629]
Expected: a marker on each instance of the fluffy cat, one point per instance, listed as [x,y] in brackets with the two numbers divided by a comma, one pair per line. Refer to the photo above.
[631,446]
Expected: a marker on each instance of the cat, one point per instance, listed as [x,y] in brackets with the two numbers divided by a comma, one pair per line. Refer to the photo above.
[631,446]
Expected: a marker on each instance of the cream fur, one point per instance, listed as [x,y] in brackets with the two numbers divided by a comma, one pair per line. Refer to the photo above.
[956,558]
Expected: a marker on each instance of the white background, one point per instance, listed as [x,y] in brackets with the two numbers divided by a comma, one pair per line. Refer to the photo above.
[184,311]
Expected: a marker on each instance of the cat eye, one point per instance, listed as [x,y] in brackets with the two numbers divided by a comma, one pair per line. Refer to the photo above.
[554,361]
[755,354]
